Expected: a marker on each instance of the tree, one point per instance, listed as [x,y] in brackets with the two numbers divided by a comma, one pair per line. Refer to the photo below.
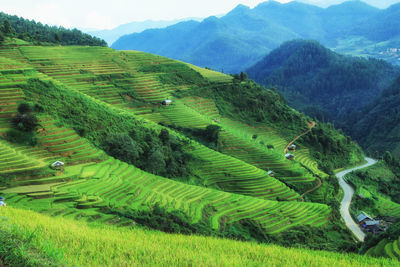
[123,147]
[1,37]
[25,122]
[6,28]
[24,108]
[212,133]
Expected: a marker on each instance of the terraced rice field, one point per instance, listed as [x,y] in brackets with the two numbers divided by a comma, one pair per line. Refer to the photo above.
[115,184]
[92,181]
[386,248]
[211,75]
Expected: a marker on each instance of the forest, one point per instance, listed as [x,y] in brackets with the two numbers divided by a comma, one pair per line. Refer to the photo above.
[36,32]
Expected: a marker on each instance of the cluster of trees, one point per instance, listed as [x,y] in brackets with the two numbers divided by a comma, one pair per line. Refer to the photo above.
[120,135]
[13,26]
[24,125]
[161,154]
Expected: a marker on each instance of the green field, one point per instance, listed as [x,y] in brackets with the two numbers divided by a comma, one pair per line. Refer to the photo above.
[55,241]
[85,96]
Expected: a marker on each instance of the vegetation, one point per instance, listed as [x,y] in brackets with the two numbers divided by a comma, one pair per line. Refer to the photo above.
[118,142]
[31,31]
[108,245]
[316,80]
[376,126]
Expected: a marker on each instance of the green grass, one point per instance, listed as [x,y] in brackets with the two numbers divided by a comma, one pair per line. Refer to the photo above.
[68,242]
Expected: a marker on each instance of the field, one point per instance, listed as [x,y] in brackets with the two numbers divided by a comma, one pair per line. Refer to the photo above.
[386,248]
[122,91]
[59,241]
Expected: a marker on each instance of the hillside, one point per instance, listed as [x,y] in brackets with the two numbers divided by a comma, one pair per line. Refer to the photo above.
[376,126]
[322,83]
[199,165]
[244,36]
[115,246]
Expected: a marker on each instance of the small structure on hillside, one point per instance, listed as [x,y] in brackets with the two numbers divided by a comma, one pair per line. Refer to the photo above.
[216,120]
[372,226]
[363,217]
[292,147]
[166,102]
[271,173]
[57,165]
[289,156]
[2,203]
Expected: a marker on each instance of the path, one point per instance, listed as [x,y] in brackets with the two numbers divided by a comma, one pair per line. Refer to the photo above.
[348,195]
[312,189]
[310,126]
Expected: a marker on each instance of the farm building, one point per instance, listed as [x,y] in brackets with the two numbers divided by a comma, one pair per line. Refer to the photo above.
[271,173]
[166,102]
[371,226]
[362,217]
[57,165]
[292,147]
[289,156]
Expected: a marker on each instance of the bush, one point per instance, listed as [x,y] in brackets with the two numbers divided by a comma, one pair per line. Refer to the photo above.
[26,122]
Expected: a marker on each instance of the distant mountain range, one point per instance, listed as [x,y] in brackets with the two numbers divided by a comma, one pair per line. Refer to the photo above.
[110,36]
[244,36]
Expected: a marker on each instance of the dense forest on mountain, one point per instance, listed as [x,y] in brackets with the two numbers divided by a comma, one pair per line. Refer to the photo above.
[31,31]
[321,83]
[377,125]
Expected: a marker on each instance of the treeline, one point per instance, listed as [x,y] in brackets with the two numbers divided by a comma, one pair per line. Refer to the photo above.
[31,31]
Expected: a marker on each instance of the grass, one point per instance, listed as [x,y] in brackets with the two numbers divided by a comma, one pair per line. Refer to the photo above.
[72,243]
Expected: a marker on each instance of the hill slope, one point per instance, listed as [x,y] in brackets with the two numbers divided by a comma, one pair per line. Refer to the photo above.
[108,245]
[202,160]
[376,126]
[320,82]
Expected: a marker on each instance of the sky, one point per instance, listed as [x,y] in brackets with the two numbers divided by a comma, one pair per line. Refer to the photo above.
[107,14]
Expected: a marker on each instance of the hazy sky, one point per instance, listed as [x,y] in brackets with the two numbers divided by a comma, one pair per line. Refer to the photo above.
[106,14]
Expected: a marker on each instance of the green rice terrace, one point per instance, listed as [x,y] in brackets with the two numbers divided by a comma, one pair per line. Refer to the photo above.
[137,132]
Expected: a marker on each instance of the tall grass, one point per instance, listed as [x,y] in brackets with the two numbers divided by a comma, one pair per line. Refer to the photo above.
[79,244]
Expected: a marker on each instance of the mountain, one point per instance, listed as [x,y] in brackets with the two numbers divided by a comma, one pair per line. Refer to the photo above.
[242,37]
[110,36]
[377,125]
[320,82]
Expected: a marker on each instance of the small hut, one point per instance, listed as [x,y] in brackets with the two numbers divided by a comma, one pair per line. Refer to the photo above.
[289,156]
[292,147]
[363,217]
[57,165]
[271,173]
[166,102]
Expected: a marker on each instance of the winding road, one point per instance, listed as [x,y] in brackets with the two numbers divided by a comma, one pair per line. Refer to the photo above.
[348,195]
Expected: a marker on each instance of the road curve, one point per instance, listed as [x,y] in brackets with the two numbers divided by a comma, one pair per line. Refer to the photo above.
[348,195]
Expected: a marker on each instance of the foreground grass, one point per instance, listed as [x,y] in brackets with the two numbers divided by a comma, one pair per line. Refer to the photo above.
[67,242]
